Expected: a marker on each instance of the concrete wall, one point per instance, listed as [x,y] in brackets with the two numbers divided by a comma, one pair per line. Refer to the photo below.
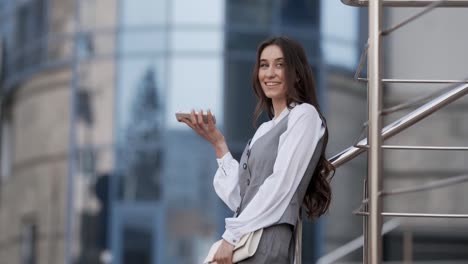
[36,190]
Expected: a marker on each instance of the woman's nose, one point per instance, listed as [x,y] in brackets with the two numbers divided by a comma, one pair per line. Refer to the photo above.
[270,72]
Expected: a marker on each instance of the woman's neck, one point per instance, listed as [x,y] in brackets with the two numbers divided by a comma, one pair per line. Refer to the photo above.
[278,107]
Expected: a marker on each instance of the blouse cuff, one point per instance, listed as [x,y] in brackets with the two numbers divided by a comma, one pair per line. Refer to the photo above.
[230,237]
[223,160]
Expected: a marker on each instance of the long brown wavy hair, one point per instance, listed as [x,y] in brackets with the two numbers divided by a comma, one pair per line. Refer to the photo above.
[300,89]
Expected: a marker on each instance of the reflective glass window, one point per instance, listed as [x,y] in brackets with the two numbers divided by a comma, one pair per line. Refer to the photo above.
[196,82]
[210,41]
[140,43]
[143,13]
[340,36]
[30,28]
[302,13]
[254,13]
[140,129]
[206,12]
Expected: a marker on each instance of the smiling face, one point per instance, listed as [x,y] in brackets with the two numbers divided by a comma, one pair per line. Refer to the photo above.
[271,73]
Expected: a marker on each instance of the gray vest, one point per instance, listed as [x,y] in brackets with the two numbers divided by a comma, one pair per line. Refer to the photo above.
[256,165]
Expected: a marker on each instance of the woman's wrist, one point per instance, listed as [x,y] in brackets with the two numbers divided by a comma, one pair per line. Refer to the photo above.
[221,148]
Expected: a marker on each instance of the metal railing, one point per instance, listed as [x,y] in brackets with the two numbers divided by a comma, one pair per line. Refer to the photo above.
[403,123]
[393,223]
[355,244]
[373,193]
[390,130]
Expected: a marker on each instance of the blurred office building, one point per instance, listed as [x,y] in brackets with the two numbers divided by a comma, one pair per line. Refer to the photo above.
[96,169]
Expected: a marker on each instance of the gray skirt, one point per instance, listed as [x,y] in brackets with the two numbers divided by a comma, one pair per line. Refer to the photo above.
[276,246]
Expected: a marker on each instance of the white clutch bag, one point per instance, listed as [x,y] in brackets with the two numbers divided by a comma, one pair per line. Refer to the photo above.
[246,247]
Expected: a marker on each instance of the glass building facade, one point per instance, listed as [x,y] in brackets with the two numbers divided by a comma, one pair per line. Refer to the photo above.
[140,189]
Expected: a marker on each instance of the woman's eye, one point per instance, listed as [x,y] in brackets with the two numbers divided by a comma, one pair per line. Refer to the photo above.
[263,65]
[279,65]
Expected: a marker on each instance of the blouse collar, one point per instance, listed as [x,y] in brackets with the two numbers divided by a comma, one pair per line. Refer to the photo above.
[283,113]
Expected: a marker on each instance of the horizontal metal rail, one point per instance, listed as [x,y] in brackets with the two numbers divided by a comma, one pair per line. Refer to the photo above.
[424,187]
[428,186]
[393,223]
[416,81]
[417,215]
[355,244]
[406,3]
[404,122]
[401,147]
[414,102]
[406,105]
[410,104]
[426,10]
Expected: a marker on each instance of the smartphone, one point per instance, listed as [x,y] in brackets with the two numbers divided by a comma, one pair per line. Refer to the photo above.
[181,115]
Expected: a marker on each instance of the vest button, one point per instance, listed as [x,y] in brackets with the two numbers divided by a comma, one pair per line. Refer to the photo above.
[244,166]
[248,181]
[248,153]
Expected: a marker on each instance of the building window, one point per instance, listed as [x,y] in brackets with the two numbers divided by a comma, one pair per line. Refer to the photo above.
[340,39]
[6,147]
[2,59]
[29,243]
[6,39]
[300,13]
[30,29]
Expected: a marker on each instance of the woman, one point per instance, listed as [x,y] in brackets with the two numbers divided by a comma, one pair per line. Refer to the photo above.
[283,166]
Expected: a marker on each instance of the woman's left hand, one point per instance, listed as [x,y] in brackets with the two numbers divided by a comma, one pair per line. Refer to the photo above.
[224,253]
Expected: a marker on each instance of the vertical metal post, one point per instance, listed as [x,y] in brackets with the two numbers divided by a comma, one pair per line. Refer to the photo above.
[375,138]
[407,247]
[72,149]
[365,226]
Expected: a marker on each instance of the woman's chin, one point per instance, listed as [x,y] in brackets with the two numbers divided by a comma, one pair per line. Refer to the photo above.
[271,95]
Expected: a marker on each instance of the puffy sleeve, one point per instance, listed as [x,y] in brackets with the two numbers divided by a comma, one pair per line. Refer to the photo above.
[226,181]
[296,147]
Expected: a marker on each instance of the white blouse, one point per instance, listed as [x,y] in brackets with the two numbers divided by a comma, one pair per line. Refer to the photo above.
[296,147]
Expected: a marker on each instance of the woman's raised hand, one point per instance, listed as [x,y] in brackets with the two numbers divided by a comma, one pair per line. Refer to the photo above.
[207,130]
